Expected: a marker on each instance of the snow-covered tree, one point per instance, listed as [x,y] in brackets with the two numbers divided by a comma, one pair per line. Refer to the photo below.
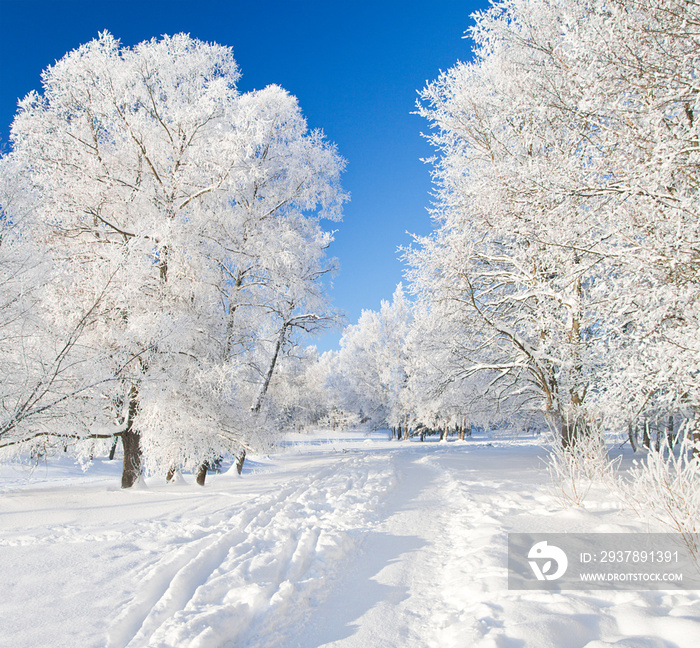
[566,213]
[184,214]
[370,371]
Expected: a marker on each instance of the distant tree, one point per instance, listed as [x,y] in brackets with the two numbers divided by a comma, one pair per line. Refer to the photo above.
[370,371]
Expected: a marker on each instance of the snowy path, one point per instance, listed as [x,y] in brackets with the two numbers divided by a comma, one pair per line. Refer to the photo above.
[354,544]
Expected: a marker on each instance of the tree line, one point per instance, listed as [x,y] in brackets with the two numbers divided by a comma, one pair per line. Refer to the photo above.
[560,284]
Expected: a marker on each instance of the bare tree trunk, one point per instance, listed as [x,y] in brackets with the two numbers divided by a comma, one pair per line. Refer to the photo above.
[659,434]
[632,434]
[574,424]
[670,438]
[568,433]
[240,459]
[268,376]
[131,439]
[572,429]
[646,437]
[230,324]
[131,471]
[113,449]
[202,474]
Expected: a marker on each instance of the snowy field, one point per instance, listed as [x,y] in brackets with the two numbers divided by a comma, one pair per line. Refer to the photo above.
[343,541]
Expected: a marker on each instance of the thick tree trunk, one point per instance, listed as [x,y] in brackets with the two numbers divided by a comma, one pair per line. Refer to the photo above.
[131,470]
[131,440]
[202,474]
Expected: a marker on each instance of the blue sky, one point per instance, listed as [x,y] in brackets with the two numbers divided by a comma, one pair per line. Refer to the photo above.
[355,66]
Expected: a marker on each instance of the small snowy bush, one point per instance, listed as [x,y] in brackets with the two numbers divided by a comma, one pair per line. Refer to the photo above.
[665,486]
[575,469]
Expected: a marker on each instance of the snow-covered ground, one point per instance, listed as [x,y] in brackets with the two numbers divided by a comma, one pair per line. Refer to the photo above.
[338,541]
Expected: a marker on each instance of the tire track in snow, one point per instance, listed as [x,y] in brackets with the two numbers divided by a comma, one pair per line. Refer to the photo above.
[170,583]
[242,575]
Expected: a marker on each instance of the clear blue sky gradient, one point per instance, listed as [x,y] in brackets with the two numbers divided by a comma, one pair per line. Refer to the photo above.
[356,67]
